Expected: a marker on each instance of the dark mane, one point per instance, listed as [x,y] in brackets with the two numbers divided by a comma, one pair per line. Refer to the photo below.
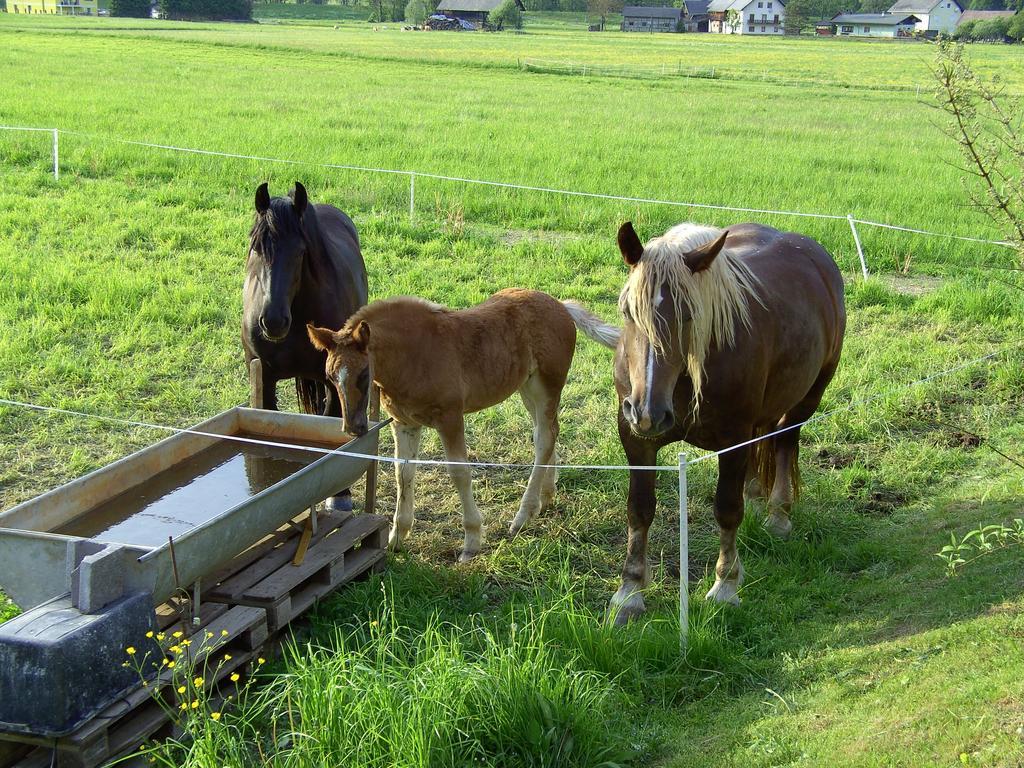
[279,221]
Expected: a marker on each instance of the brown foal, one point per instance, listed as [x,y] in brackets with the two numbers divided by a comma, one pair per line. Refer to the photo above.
[433,365]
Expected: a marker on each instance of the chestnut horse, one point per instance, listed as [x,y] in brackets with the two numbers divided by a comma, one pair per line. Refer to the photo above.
[433,365]
[728,335]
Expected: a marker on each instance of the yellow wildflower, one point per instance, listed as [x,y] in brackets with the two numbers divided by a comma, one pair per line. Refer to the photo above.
[197,682]
[223,633]
[183,706]
[178,634]
[160,635]
[170,664]
[195,704]
[227,657]
[186,642]
[175,649]
[215,715]
[209,634]
[261,660]
[130,650]
[181,689]
[149,635]
[234,677]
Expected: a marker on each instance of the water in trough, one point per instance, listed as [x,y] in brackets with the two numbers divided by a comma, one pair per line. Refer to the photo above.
[190,493]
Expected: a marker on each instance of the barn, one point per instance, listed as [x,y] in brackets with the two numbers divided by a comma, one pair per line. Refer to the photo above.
[473,11]
[868,25]
[638,18]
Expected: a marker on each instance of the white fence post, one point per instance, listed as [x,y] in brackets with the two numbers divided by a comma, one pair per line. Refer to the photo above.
[684,559]
[860,251]
[56,158]
[412,195]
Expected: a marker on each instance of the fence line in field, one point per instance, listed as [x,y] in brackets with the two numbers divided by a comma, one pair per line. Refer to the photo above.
[681,468]
[507,465]
[412,175]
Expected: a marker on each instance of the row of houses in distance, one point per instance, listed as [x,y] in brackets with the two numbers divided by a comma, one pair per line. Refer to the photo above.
[905,18]
[54,7]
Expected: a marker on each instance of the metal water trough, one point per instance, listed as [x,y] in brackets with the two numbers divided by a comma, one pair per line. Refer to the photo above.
[87,597]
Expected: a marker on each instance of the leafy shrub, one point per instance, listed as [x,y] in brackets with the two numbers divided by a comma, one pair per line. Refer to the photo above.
[506,15]
[138,9]
[415,12]
[1016,28]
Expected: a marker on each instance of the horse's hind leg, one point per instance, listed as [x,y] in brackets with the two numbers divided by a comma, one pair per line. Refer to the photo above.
[453,437]
[541,400]
[787,453]
[407,446]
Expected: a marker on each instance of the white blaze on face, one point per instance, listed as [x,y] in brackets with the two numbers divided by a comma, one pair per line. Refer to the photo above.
[650,366]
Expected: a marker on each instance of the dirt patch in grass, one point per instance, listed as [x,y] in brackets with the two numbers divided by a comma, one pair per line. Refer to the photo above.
[918,285]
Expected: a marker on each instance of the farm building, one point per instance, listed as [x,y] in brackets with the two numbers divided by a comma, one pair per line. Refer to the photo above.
[473,11]
[868,25]
[695,15]
[747,17]
[638,18]
[54,7]
[935,15]
[981,16]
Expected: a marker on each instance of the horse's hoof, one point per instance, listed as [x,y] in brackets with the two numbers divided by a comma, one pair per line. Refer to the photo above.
[341,503]
[778,525]
[466,555]
[518,523]
[395,542]
[724,592]
[623,608]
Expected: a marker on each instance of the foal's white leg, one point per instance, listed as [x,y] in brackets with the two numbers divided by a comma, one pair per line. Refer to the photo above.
[540,489]
[453,437]
[407,446]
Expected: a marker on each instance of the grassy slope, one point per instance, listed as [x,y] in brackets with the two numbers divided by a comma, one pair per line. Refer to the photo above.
[122,297]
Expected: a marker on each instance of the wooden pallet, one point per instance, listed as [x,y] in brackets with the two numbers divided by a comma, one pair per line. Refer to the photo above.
[146,712]
[250,599]
[342,549]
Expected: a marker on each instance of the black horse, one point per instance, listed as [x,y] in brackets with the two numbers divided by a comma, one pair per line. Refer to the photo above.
[304,266]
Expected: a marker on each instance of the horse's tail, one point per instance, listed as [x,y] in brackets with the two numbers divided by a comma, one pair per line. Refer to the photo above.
[763,456]
[310,394]
[592,326]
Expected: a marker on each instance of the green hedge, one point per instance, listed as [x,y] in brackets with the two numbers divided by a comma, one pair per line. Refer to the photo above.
[206,9]
[138,9]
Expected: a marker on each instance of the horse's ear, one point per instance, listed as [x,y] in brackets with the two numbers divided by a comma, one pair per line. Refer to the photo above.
[361,336]
[700,258]
[262,198]
[321,338]
[299,199]
[630,245]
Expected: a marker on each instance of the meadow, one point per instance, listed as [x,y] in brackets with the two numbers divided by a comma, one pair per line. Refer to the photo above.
[121,296]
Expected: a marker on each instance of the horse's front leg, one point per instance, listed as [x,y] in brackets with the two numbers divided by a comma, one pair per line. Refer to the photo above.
[453,437]
[732,472]
[407,446]
[269,388]
[640,504]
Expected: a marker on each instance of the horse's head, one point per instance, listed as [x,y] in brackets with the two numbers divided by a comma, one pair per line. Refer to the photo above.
[348,367]
[278,246]
[656,339]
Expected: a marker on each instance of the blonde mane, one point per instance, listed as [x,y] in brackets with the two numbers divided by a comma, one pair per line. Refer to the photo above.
[712,303]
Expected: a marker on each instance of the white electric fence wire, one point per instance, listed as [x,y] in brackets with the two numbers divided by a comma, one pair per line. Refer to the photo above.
[500,465]
[507,185]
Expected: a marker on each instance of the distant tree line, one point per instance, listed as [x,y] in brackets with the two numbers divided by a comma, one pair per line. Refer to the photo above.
[998,30]
[187,10]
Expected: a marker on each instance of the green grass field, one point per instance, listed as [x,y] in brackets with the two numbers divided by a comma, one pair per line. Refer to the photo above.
[121,296]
